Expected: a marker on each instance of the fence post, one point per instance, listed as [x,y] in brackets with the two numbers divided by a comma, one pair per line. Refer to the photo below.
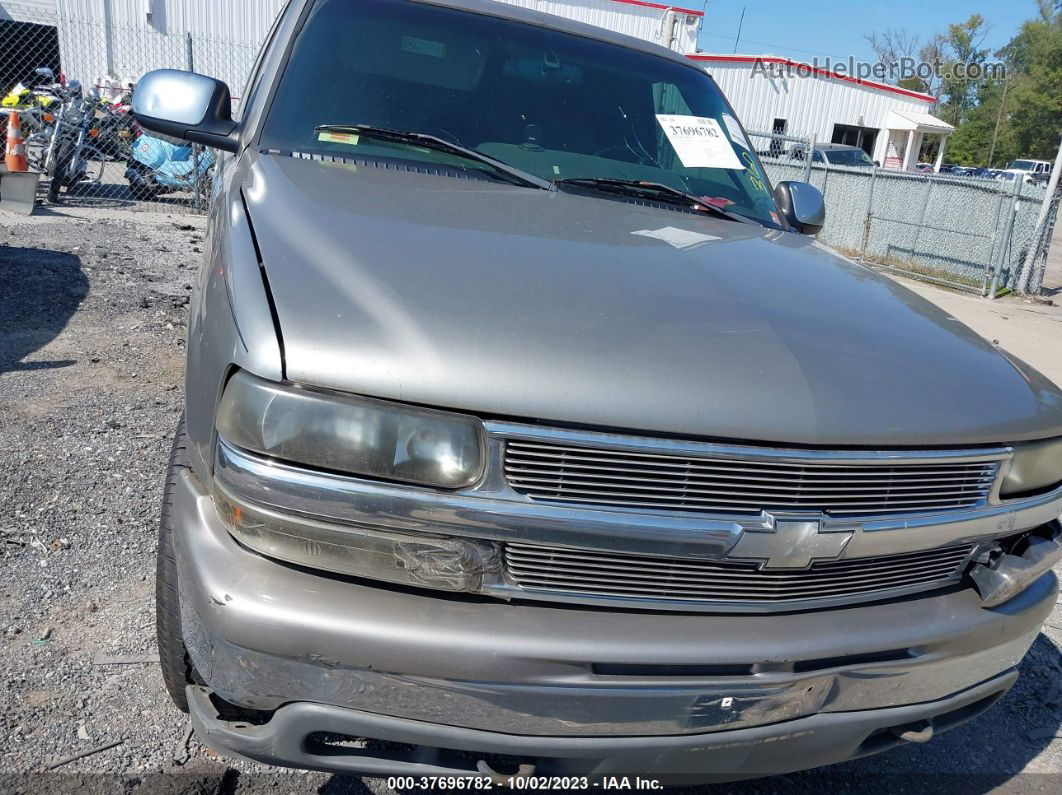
[1004,243]
[189,51]
[921,217]
[1043,224]
[810,153]
[869,215]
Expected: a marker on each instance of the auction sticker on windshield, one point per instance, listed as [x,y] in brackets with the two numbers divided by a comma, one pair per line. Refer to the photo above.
[699,142]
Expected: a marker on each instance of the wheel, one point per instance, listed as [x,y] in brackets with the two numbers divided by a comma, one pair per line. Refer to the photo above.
[37,150]
[177,669]
[63,157]
[57,183]
[95,163]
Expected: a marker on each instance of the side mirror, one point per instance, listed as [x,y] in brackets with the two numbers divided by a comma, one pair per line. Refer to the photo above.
[188,106]
[802,206]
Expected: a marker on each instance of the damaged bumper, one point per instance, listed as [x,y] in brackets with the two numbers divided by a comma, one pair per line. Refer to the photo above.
[573,689]
[310,736]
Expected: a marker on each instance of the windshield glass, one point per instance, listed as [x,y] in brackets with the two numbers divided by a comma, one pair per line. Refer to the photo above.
[552,104]
[1022,165]
[848,157]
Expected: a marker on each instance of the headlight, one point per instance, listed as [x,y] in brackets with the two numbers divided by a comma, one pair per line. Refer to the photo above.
[343,433]
[446,564]
[1035,467]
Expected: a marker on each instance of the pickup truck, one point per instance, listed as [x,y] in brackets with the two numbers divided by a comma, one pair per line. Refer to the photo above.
[531,437]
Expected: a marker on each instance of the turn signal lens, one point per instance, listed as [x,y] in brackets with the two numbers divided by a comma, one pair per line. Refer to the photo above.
[447,564]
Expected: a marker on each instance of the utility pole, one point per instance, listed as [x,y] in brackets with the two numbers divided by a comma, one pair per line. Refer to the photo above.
[999,116]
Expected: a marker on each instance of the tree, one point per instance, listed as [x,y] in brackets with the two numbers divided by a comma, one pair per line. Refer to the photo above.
[963,44]
[1035,118]
[895,49]
[932,53]
[998,116]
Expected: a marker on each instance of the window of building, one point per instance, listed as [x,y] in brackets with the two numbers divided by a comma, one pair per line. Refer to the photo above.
[850,134]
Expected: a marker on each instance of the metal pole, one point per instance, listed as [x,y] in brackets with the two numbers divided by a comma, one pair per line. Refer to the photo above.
[807,159]
[1052,185]
[991,259]
[190,50]
[1004,244]
[921,217]
[740,23]
[999,117]
[869,215]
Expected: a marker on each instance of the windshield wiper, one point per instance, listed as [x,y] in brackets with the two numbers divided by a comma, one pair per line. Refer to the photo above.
[652,190]
[513,175]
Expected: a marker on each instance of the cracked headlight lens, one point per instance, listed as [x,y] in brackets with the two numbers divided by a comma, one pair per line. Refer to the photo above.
[1036,466]
[355,435]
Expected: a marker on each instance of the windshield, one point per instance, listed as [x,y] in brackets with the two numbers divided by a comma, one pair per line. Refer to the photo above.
[1022,165]
[848,157]
[552,104]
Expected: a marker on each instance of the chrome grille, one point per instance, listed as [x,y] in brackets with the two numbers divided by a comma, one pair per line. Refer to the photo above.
[593,572]
[610,477]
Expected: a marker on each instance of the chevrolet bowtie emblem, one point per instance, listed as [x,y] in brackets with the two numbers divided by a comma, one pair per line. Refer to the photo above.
[791,544]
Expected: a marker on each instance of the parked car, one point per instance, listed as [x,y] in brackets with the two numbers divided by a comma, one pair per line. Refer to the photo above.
[835,155]
[529,432]
[1032,171]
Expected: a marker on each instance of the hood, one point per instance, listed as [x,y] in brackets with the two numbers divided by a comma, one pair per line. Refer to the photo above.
[571,309]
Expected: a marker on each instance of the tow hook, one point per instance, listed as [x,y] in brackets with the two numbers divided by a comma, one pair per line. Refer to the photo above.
[1009,575]
[504,779]
[921,732]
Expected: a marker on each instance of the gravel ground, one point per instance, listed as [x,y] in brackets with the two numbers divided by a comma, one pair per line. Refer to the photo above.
[92,327]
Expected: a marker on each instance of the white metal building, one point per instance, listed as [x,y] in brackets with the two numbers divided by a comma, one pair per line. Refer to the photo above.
[672,26]
[35,11]
[777,95]
[122,39]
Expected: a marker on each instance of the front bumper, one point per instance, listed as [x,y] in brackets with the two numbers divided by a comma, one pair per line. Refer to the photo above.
[291,739]
[534,680]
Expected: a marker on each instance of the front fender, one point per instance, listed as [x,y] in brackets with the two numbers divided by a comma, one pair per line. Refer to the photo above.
[230,324]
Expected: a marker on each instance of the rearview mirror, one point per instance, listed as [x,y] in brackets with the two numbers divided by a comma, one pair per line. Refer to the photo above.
[802,206]
[188,106]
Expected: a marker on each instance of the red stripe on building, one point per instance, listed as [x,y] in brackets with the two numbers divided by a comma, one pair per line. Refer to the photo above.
[661,7]
[815,70]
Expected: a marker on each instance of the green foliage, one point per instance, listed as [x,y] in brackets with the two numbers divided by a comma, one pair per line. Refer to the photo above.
[998,118]
[1035,105]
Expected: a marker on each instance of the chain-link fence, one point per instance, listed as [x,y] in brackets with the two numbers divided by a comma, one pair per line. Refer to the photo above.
[962,232]
[71,77]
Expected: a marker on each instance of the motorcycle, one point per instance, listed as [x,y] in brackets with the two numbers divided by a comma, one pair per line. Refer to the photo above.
[36,103]
[158,165]
[71,161]
[118,128]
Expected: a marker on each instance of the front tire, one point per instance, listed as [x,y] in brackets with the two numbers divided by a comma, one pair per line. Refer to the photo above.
[58,175]
[177,669]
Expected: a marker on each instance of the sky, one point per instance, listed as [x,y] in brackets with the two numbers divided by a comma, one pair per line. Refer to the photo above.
[802,29]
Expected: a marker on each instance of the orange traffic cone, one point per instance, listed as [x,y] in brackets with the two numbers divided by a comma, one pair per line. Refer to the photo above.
[16,147]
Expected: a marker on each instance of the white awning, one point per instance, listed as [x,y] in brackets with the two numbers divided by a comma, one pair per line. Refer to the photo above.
[919,122]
